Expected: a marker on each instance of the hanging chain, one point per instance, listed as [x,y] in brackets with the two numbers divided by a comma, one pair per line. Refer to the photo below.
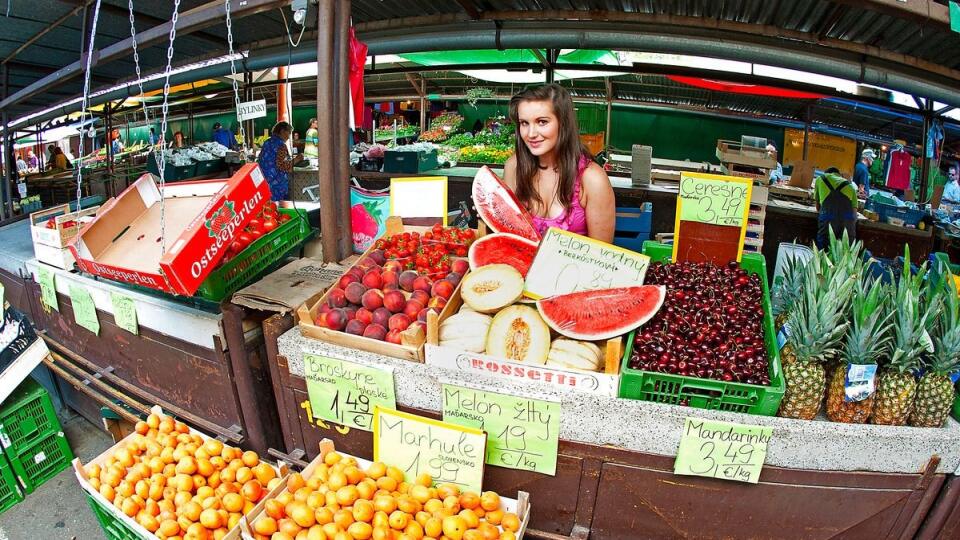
[163,126]
[233,73]
[136,62]
[86,97]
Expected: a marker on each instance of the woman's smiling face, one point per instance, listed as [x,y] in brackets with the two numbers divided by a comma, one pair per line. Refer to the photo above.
[539,126]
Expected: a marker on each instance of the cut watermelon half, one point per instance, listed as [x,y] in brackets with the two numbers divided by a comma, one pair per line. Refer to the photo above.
[601,314]
[499,207]
[503,248]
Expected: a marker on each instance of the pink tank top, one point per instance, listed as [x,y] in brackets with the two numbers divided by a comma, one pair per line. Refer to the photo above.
[574,219]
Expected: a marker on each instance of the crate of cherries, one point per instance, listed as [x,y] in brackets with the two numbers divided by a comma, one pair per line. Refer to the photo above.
[711,325]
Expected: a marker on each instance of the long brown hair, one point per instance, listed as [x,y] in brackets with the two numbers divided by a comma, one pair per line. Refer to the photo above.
[568,150]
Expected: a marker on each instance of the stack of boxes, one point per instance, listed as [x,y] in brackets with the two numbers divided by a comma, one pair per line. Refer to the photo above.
[34,446]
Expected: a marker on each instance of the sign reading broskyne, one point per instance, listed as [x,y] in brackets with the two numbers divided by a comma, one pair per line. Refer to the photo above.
[252,109]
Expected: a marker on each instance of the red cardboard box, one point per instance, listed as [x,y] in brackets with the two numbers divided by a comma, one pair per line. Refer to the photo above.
[201,218]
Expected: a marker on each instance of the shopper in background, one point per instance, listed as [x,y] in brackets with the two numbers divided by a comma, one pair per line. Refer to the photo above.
[311,140]
[59,159]
[22,168]
[152,137]
[223,136]
[861,173]
[776,174]
[836,201]
[33,163]
[116,145]
[551,171]
[178,140]
[276,162]
[951,191]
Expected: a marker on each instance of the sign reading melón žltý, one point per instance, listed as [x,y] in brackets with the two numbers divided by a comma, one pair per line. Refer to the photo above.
[345,392]
[722,450]
[712,215]
[252,109]
[522,433]
[567,262]
[416,445]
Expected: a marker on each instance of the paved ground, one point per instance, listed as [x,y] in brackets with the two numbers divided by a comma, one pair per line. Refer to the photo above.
[58,509]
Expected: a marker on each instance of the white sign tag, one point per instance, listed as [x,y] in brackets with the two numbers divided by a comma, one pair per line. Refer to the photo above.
[252,109]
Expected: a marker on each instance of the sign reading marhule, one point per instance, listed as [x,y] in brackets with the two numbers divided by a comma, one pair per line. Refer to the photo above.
[582,381]
[252,109]
[567,262]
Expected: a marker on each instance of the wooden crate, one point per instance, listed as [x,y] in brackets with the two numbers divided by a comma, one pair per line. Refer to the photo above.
[413,341]
[519,506]
[734,153]
[81,473]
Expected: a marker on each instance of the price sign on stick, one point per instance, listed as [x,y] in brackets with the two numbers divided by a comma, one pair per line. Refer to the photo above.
[84,310]
[722,450]
[567,262]
[48,289]
[419,200]
[345,392]
[712,218]
[416,445]
[522,433]
[124,312]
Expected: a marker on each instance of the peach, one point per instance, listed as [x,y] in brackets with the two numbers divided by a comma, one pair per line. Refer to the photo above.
[373,279]
[393,265]
[423,283]
[372,299]
[421,296]
[443,289]
[364,315]
[406,280]
[460,266]
[399,322]
[336,298]
[437,303]
[412,309]
[381,316]
[377,256]
[393,336]
[336,319]
[375,331]
[389,277]
[356,327]
[394,301]
[354,292]
[346,280]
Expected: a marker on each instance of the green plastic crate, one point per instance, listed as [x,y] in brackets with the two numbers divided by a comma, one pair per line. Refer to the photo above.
[113,527]
[41,462]
[709,393]
[10,493]
[26,417]
[956,406]
[258,259]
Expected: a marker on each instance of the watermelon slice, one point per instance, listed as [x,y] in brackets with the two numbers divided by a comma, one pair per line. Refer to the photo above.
[503,248]
[499,207]
[601,314]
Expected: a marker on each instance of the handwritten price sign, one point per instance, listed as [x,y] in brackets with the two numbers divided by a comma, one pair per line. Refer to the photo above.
[447,452]
[567,262]
[714,199]
[722,450]
[522,433]
[346,393]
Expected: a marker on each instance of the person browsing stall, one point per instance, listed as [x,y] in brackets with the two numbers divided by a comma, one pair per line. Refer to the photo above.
[276,162]
[776,173]
[223,136]
[551,171]
[836,201]
[951,190]
[861,173]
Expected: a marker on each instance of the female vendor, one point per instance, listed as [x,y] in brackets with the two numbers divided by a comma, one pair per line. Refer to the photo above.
[551,171]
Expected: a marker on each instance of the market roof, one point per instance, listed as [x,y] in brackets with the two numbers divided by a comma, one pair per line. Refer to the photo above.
[907,45]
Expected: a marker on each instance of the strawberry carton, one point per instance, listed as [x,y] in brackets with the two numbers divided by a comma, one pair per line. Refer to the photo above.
[201,219]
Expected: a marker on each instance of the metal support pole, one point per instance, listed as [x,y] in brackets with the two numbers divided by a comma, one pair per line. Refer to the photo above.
[108,122]
[551,59]
[423,104]
[806,131]
[341,131]
[924,160]
[606,131]
[39,152]
[8,166]
[329,222]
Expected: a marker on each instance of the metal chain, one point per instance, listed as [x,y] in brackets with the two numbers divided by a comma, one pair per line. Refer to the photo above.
[163,126]
[86,97]
[136,62]
[233,73]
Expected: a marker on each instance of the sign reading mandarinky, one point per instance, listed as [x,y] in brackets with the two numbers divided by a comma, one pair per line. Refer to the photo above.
[252,109]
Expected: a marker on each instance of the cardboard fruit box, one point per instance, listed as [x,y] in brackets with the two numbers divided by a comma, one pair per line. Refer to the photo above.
[413,341]
[66,225]
[201,219]
[130,525]
[519,506]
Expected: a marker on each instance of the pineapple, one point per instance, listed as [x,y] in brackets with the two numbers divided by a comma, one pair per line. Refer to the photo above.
[816,329]
[935,393]
[898,384]
[866,340]
[787,289]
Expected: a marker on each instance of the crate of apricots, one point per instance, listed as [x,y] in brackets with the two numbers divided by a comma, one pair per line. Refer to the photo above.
[340,497]
[170,482]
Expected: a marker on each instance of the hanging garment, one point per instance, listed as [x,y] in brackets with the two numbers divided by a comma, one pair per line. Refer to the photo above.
[934,138]
[898,169]
[358,58]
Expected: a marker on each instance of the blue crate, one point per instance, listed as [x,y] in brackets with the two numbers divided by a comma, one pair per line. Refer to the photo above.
[632,227]
[910,216]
